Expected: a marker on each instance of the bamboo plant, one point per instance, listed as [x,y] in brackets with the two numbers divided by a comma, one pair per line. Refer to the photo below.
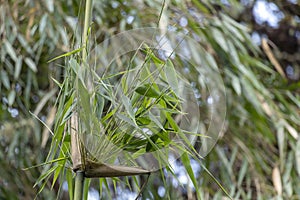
[127,118]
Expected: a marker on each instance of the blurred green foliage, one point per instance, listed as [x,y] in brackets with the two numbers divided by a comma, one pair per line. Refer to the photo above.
[258,154]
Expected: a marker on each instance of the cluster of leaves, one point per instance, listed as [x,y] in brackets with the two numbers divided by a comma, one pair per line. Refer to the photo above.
[282,30]
[31,33]
[262,139]
[121,117]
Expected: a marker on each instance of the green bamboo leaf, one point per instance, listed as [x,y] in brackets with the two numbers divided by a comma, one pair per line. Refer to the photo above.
[142,121]
[100,105]
[156,121]
[294,98]
[57,172]
[67,54]
[31,64]
[5,79]
[11,97]
[10,50]
[18,67]
[256,63]
[235,32]
[151,55]
[84,99]
[25,44]
[200,6]
[60,85]
[250,94]
[65,113]
[108,189]
[214,178]
[45,175]
[220,39]
[234,23]
[126,119]
[46,163]
[127,103]
[64,36]
[78,70]
[234,55]
[172,76]
[68,113]
[138,153]
[297,156]
[225,161]
[235,82]
[50,5]
[69,178]
[86,186]
[43,23]
[148,90]
[281,141]
[242,172]
[187,164]
[211,61]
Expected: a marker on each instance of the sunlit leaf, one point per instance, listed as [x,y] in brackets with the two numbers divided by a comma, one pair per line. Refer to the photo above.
[10,50]
[30,64]
[11,97]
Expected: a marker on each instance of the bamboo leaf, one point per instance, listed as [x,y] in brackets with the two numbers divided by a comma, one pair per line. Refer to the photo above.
[18,67]
[187,164]
[127,103]
[25,44]
[31,64]
[69,178]
[86,186]
[236,85]
[10,50]
[45,175]
[172,76]
[127,120]
[5,79]
[220,39]
[276,177]
[148,90]
[67,54]
[11,97]
[297,156]
[43,23]
[242,172]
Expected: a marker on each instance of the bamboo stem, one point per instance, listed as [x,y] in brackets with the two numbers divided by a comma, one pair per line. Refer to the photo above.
[87,19]
[79,178]
[78,190]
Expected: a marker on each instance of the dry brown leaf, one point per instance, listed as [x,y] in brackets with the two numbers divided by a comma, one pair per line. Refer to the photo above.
[75,145]
[277,180]
[49,123]
[273,60]
[96,170]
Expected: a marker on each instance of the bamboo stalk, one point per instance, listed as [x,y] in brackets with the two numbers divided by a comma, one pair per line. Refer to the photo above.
[87,19]
[79,179]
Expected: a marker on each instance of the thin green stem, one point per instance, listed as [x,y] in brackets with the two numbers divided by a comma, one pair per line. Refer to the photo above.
[87,19]
[78,190]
